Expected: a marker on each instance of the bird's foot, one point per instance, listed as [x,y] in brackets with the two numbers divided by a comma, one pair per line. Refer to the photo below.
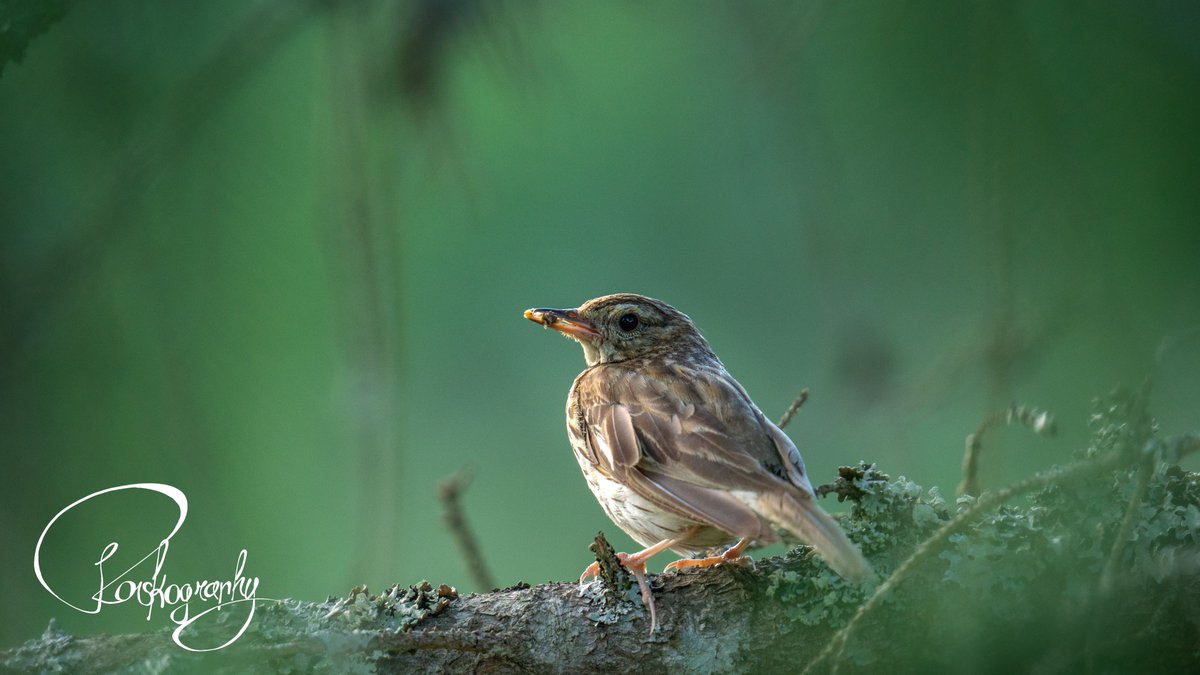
[636,564]
[732,555]
[631,561]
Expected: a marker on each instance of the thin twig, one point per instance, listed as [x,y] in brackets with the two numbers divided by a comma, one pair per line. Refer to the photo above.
[449,492]
[1145,471]
[933,544]
[791,411]
[1040,421]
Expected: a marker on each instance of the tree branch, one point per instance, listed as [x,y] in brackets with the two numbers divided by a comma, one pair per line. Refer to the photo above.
[987,585]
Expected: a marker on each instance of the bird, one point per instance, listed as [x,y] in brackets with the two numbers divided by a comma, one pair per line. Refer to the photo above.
[674,449]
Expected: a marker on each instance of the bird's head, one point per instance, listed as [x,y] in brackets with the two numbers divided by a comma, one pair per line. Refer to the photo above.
[625,326]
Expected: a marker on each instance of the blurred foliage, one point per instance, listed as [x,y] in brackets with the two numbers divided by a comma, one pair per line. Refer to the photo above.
[275,253]
[23,20]
[1018,587]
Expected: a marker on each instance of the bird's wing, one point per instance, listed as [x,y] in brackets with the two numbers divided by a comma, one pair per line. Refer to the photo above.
[689,441]
[789,456]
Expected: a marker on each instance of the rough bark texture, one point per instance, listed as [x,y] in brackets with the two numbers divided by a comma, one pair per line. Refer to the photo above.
[1015,587]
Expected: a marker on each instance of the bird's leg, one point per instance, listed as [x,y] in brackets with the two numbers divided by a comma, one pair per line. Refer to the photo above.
[733,554]
[632,562]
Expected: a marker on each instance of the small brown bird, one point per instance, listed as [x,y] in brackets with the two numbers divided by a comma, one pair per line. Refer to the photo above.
[674,449]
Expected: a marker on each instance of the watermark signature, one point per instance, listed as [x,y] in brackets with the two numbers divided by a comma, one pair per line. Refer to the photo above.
[154,592]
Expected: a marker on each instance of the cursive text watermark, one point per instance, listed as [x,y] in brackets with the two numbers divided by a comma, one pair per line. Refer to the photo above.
[154,592]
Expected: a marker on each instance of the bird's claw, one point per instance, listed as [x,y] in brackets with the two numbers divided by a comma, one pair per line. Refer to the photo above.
[592,572]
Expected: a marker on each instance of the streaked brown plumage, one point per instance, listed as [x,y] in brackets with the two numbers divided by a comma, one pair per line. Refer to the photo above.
[673,448]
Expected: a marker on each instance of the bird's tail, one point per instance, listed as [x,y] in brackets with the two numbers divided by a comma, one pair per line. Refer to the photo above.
[800,515]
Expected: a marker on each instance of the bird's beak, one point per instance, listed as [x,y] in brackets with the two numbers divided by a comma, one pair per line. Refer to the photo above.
[565,321]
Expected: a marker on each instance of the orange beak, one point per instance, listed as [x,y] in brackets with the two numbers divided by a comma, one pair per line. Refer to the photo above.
[565,321]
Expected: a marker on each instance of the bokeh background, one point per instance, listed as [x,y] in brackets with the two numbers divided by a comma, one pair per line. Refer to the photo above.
[275,253]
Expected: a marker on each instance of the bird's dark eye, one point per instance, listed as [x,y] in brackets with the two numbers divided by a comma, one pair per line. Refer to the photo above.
[628,322]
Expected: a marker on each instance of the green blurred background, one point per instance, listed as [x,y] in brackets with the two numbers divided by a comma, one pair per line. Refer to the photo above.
[275,253]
